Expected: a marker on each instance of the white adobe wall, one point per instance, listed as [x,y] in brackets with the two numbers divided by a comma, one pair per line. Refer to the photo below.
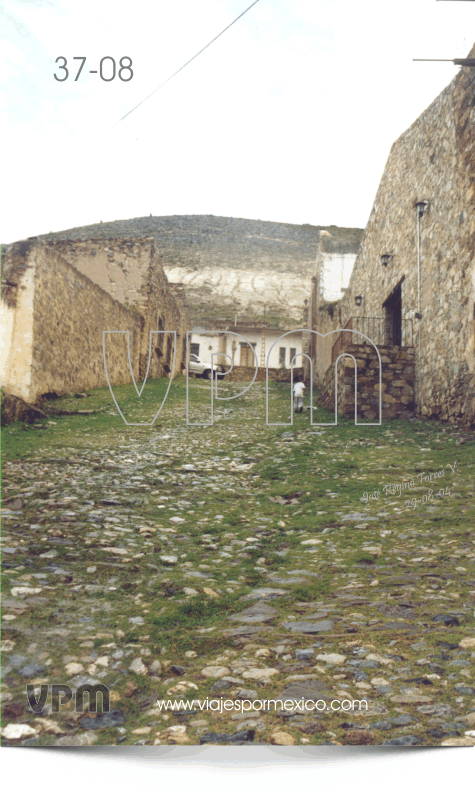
[273,344]
[335,274]
[206,341]
[16,353]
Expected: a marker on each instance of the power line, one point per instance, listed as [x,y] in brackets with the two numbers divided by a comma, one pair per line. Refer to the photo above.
[188,62]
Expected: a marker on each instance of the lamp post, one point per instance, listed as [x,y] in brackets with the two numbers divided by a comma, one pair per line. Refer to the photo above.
[421,207]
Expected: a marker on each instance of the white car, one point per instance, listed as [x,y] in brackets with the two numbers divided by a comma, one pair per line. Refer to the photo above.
[201,369]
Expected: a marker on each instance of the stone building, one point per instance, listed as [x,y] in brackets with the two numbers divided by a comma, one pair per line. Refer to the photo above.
[412,290]
[57,300]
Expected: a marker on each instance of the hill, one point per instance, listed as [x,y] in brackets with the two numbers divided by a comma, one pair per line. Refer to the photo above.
[233,266]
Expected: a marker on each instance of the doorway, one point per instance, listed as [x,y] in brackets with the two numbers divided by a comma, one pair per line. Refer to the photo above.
[393,316]
[247,355]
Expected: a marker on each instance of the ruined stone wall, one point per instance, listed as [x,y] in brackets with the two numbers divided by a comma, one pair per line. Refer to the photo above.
[433,161]
[397,382]
[119,266]
[131,272]
[58,319]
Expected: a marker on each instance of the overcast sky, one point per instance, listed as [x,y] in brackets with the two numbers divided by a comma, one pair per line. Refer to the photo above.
[289,116]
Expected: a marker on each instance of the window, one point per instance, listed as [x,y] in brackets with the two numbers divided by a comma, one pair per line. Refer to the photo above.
[195,349]
[293,353]
[281,356]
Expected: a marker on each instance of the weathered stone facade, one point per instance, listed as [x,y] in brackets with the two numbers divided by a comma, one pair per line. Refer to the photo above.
[55,317]
[431,306]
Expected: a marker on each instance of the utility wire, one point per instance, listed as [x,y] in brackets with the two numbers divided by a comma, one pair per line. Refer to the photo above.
[188,62]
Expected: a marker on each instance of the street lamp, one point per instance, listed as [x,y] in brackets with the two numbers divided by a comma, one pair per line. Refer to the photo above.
[385,257]
[421,207]
[358,300]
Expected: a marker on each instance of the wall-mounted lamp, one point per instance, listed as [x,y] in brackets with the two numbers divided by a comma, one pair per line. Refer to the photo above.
[358,300]
[305,302]
[385,257]
[421,207]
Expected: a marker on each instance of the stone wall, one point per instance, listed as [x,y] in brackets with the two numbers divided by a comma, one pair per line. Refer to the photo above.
[245,374]
[397,382]
[433,161]
[130,271]
[58,319]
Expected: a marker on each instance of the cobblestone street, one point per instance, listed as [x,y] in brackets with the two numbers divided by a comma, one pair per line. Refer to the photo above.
[239,561]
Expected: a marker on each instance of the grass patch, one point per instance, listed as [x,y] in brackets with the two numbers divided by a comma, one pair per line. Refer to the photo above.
[200,611]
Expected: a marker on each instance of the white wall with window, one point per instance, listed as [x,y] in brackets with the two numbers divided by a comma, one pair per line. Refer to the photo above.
[204,345]
[279,347]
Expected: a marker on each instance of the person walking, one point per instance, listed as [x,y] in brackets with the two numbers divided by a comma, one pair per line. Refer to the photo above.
[299,392]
